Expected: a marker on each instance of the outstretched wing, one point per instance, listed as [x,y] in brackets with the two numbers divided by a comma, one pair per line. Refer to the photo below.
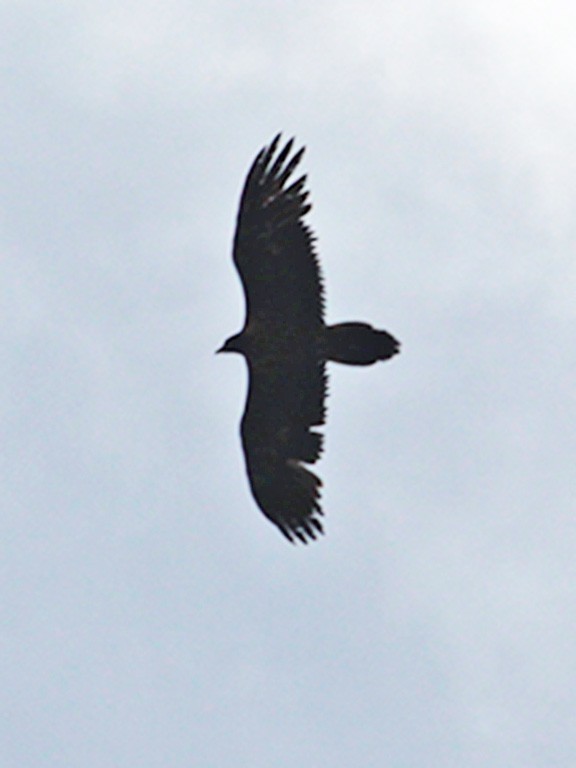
[273,248]
[274,254]
[285,399]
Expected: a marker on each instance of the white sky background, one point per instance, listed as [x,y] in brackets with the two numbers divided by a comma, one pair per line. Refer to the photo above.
[150,616]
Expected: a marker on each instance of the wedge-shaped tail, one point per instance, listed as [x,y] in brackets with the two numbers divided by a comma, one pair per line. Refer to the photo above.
[359,344]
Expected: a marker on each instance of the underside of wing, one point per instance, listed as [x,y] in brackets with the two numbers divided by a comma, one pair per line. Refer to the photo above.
[273,247]
[282,406]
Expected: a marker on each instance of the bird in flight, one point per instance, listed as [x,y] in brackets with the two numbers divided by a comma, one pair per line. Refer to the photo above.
[286,342]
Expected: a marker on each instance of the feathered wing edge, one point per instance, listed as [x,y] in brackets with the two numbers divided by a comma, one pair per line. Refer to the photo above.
[286,491]
[290,498]
[264,182]
[266,206]
[307,526]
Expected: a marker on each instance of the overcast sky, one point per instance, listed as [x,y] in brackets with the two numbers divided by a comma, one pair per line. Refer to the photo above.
[150,616]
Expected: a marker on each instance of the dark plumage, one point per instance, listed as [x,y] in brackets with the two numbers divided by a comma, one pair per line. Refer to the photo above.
[286,343]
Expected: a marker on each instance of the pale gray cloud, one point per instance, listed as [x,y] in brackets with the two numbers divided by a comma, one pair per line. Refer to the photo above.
[150,615]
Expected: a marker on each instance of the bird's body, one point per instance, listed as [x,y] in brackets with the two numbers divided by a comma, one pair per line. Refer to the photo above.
[286,343]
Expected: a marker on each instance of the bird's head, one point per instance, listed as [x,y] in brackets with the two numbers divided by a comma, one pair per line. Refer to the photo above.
[233,344]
